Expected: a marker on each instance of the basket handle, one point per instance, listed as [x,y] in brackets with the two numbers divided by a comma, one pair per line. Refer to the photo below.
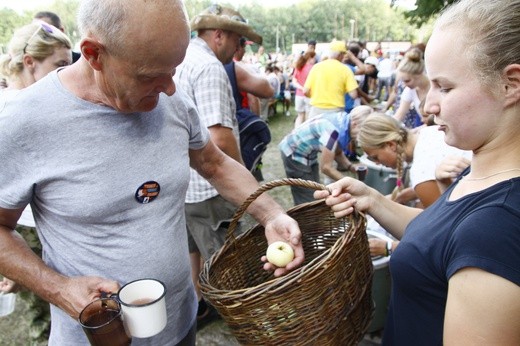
[266,187]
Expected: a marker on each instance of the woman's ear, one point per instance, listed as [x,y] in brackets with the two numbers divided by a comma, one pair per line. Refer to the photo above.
[392,145]
[92,50]
[29,63]
[512,84]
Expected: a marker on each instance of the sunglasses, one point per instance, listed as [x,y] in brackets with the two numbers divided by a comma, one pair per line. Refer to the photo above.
[42,26]
[218,10]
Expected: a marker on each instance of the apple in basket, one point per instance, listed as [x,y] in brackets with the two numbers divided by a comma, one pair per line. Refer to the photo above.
[279,253]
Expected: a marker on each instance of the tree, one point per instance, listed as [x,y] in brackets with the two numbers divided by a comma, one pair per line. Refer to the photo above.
[9,20]
[425,10]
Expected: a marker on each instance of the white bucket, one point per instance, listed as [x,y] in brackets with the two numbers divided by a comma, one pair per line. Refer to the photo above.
[381,286]
[380,177]
[7,303]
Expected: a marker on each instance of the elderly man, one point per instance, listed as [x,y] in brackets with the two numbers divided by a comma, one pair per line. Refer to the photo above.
[329,81]
[203,76]
[83,146]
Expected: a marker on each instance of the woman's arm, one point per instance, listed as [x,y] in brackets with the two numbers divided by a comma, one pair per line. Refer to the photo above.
[482,309]
[327,162]
[252,83]
[428,192]
[404,107]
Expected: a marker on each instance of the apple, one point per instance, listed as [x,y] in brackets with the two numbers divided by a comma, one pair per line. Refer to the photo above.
[279,253]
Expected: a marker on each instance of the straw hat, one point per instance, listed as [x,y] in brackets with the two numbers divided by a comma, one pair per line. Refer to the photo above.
[219,17]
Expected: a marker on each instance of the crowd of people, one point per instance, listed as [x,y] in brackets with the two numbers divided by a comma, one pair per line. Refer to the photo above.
[120,164]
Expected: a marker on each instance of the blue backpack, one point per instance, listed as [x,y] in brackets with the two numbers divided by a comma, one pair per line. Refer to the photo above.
[254,131]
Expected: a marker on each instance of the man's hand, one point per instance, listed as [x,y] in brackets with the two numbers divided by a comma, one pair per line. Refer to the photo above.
[77,292]
[284,228]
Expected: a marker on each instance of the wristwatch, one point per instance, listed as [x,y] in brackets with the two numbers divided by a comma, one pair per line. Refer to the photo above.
[389,248]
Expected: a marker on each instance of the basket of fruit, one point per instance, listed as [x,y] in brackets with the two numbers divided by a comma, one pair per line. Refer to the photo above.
[327,301]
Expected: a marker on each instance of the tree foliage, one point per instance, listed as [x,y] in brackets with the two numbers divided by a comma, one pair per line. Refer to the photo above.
[425,10]
[10,20]
[281,26]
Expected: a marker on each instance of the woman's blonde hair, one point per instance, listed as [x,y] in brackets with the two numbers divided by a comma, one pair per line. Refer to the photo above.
[376,131]
[360,113]
[413,62]
[38,40]
[489,32]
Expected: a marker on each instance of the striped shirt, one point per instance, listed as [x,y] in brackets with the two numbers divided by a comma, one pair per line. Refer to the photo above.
[305,142]
[203,77]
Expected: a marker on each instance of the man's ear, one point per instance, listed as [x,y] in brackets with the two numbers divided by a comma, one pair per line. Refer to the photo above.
[219,35]
[92,50]
[512,84]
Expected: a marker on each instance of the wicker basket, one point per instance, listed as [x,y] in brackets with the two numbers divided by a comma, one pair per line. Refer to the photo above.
[327,301]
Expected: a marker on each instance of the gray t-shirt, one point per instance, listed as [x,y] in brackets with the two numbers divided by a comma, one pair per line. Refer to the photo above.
[90,175]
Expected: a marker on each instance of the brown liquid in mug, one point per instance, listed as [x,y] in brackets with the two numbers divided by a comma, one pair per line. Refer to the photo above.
[142,301]
[111,334]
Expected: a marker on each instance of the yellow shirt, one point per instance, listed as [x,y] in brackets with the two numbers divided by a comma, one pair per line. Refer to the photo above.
[328,82]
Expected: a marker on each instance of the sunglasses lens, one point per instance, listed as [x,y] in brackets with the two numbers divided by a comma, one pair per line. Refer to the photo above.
[47,28]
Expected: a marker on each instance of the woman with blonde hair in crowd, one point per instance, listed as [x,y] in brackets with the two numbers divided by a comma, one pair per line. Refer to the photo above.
[412,74]
[34,50]
[301,71]
[388,142]
[455,274]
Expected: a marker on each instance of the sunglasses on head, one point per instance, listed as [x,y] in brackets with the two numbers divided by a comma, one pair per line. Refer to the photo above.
[42,26]
[218,10]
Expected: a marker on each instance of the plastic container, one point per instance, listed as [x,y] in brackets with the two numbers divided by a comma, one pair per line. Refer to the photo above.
[7,303]
[381,286]
[380,177]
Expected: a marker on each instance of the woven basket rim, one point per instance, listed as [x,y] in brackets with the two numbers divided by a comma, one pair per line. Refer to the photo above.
[276,283]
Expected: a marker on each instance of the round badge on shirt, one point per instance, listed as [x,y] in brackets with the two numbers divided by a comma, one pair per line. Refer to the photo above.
[147,192]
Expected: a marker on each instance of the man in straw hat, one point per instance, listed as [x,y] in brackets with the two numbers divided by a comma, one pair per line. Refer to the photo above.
[329,81]
[108,188]
[203,77]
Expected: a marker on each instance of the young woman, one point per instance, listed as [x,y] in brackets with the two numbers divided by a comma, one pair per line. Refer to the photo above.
[386,141]
[301,71]
[34,51]
[411,74]
[455,274]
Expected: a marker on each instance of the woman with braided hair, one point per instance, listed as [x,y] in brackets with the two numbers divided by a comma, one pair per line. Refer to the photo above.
[388,142]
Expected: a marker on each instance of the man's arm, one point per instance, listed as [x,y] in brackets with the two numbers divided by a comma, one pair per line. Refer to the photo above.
[20,264]
[361,69]
[252,83]
[235,183]
[224,138]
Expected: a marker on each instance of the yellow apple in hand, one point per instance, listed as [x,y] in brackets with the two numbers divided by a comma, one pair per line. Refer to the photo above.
[279,254]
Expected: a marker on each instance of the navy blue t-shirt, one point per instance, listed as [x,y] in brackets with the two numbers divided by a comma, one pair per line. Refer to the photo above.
[480,230]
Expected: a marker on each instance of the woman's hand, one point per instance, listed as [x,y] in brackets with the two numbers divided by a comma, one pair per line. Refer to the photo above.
[451,167]
[9,286]
[346,194]
[377,247]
